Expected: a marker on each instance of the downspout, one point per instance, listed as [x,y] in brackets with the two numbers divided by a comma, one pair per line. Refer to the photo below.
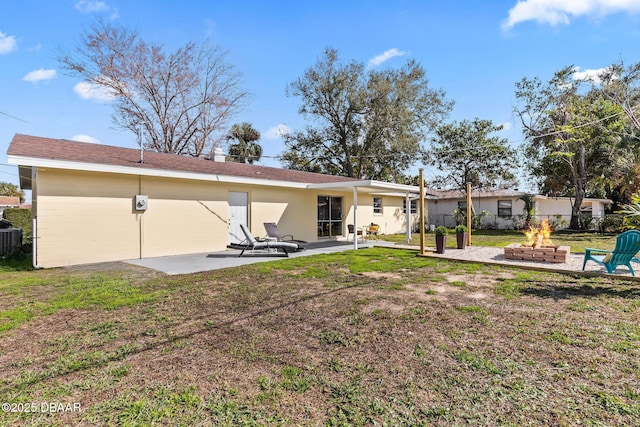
[34,243]
[355,218]
[34,220]
[408,214]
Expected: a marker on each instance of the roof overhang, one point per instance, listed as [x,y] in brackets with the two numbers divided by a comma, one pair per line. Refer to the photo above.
[571,199]
[369,186]
[27,163]
[24,173]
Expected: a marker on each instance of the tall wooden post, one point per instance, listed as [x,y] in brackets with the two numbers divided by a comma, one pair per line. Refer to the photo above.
[421,213]
[469,210]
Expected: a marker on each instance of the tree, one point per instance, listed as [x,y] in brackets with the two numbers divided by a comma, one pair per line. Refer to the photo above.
[572,137]
[11,190]
[365,124]
[620,178]
[621,85]
[467,154]
[179,101]
[633,208]
[245,149]
[529,209]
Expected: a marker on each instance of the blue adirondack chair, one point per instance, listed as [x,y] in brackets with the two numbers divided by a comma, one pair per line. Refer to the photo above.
[627,246]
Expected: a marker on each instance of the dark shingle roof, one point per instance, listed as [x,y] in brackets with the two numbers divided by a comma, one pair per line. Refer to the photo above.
[82,152]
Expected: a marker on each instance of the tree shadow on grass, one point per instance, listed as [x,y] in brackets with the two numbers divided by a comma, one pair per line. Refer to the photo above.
[574,287]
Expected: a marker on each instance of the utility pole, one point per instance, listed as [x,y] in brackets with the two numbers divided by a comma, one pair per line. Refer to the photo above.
[421,214]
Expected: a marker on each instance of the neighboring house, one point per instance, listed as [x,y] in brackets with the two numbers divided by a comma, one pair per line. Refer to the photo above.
[505,208]
[8,202]
[96,203]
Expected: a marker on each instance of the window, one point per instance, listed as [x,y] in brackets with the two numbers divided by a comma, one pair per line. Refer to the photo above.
[377,205]
[504,208]
[462,206]
[414,206]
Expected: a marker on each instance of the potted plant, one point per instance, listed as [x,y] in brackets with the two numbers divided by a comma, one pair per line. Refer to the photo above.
[441,238]
[461,236]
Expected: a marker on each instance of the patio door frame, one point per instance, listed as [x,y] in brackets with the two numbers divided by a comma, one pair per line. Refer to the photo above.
[333,224]
[238,214]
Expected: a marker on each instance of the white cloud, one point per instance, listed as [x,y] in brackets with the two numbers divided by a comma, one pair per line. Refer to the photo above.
[556,12]
[588,75]
[276,132]
[36,48]
[379,59]
[88,6]
[91,91]
[7,43]
[506,126]
[39,75]
[92,6]
[85,138]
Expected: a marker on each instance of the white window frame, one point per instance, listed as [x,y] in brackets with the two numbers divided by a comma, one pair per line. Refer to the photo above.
[377,210]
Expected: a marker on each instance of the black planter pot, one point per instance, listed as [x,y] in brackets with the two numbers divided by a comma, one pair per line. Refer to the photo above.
[441,243]
[461,240]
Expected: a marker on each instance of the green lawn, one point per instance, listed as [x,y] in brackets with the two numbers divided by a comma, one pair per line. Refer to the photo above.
[371,337]
[576,240]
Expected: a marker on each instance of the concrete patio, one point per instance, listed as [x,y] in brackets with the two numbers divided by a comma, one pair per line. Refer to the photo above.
[199,262]
[206,261]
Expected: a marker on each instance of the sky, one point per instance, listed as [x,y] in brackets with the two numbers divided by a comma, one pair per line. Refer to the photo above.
[475,50]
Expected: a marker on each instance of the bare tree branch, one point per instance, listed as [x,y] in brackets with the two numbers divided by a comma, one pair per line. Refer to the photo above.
[183,100]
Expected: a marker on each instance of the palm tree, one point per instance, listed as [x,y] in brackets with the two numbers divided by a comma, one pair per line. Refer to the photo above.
[529,209]
[633,208]
[245,149]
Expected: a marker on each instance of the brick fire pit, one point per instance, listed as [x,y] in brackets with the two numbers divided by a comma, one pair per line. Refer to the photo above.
[516,251]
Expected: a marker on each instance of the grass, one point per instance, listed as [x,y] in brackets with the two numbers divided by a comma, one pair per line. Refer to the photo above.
[578,241]
[370,337]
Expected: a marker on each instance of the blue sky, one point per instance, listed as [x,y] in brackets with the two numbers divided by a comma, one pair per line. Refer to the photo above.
[476,50]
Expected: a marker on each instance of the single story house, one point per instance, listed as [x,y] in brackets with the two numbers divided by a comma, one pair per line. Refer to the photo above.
[504,207]
[96,203]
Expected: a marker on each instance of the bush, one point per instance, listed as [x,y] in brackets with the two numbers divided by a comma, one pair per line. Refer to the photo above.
[461,229]
[632,223]
[441,230]
[612,224]
[20,218]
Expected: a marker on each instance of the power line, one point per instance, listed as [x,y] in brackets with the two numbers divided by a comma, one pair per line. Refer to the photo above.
[14,117]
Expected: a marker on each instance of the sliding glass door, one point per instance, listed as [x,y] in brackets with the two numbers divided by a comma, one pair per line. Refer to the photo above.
[329,216]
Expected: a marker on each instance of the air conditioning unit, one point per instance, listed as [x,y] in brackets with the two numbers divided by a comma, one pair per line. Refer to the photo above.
[10,238]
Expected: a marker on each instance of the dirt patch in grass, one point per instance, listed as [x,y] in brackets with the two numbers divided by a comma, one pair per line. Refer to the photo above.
[132,272]
[271,346]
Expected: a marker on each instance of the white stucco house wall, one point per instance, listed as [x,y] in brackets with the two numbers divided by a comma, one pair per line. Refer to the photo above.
[505,208]
[97,203]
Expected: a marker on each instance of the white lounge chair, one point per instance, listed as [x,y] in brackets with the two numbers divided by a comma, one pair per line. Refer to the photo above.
[274,232]
[253,244]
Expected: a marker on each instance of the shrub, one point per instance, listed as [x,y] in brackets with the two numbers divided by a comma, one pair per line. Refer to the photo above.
[20,218]
[612,224]
[461,229]
[441,230]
